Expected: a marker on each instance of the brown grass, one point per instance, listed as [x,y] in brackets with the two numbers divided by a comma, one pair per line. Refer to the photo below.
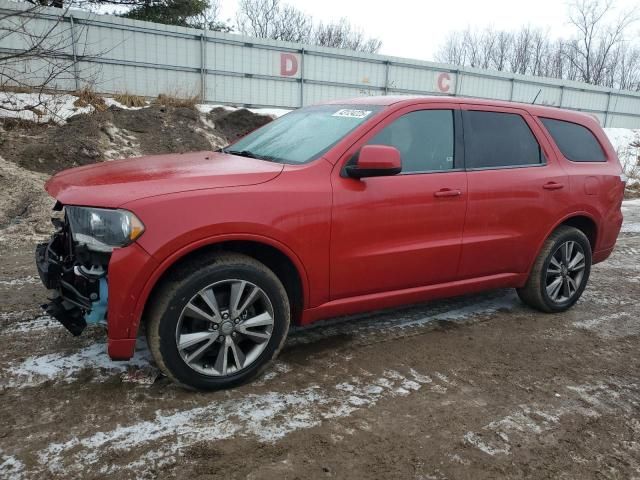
[87,96]
[130,100]
[175,101]
[16,89]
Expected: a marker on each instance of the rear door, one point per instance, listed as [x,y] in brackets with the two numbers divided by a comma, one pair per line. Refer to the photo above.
[516,187]
[403,231]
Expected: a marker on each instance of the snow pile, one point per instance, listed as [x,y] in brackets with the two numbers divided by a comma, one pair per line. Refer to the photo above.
[627,143]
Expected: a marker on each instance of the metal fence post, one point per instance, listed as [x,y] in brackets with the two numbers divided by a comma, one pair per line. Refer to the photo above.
[458,86]
[513,81]
[203,67]
[76,75]
[607,112]
[387,66]
[302,78]
[561,95]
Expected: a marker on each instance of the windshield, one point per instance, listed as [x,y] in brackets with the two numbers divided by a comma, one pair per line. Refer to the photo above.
[302,135]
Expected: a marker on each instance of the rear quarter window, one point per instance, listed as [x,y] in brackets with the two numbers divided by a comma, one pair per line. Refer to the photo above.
[577,143]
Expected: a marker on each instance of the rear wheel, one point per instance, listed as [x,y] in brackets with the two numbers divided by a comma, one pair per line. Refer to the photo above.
[218,325]
[560,273]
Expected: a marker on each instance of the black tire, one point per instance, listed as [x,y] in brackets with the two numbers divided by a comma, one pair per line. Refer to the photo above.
[178,289]
[534,293]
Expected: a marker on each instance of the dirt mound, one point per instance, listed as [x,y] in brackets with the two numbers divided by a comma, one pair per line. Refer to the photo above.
[25,207]
[30,151]
[114,133]
[236,123]
[160,129]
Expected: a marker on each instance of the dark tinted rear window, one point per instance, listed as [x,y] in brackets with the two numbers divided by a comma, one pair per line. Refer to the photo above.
[576,142]
[495,140]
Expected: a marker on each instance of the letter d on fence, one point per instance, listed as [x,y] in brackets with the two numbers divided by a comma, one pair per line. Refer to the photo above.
[288,64]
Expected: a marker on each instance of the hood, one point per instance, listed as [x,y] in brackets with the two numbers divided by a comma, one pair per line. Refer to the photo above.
[112,184]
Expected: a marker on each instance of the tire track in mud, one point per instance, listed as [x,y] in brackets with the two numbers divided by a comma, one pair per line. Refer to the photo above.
[540,422]
[266,417]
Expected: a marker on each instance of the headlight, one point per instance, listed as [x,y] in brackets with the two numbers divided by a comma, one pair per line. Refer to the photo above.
[101,229]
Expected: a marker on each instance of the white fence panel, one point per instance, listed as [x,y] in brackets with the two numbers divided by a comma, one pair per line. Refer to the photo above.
[148,59]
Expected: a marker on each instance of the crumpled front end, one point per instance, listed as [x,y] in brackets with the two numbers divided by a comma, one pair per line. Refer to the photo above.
[88,286]
[76,277]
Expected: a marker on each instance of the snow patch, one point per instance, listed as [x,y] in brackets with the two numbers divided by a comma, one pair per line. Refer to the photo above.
[10,467]
[613,325]
[65,367]
[19,282]
[37,324]
[626,142]
[112,102]
[266,417]
[40,107]
[271,112]
[497,437]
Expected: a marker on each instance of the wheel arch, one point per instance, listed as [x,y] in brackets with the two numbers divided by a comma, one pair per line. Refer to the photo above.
[583,221]
[586,225]
[281,260]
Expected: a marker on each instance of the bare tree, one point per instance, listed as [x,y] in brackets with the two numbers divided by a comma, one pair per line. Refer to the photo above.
[343,35]
[278,21]
[453,50]
[597,37]
[271,19]
[599,53]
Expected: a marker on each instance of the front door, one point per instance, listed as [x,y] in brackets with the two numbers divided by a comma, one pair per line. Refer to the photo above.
[403,231]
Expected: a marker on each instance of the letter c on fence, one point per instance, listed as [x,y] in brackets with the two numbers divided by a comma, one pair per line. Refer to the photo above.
[444,82]
[288,64]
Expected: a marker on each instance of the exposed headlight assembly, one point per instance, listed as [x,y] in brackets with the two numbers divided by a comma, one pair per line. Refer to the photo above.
[101,229]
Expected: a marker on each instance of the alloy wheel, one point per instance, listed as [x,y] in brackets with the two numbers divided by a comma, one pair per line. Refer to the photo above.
[565,272]
[225,327]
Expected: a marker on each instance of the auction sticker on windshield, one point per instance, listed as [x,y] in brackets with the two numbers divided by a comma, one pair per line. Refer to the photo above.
[352,113]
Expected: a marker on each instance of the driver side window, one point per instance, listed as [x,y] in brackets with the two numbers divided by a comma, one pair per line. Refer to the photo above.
[425,139]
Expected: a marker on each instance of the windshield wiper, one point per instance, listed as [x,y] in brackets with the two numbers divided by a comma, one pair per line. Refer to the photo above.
[242,153]
[249,154]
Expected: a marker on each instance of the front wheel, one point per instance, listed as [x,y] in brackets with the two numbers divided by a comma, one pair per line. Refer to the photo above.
[560,273]
[218,325]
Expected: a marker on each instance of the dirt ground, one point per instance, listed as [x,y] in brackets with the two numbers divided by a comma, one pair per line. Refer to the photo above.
[469,388]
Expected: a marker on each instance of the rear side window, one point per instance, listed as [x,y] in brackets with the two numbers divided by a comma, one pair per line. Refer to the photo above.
[495,140]
[576,142]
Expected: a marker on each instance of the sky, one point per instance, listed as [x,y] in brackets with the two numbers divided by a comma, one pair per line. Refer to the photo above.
[416,29]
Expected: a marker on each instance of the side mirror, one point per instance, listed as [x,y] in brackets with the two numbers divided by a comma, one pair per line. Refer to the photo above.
[375,161]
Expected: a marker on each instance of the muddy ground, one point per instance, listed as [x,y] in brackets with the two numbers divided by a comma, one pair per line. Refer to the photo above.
[470,388]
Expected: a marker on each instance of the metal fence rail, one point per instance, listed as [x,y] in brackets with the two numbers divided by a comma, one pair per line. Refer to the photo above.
[147,59]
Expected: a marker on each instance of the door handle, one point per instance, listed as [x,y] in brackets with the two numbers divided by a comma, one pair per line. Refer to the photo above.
[447,192]
[553,186]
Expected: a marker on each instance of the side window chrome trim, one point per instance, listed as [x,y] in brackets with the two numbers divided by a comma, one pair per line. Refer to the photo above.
[423,172]
[508,167]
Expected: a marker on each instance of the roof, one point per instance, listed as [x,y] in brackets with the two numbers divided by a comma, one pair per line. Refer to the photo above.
[402,100]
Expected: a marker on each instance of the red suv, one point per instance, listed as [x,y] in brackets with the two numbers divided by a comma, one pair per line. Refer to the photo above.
[329,210]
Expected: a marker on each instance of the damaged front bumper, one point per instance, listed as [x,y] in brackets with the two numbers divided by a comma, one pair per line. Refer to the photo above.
[77,279]
[95,287]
